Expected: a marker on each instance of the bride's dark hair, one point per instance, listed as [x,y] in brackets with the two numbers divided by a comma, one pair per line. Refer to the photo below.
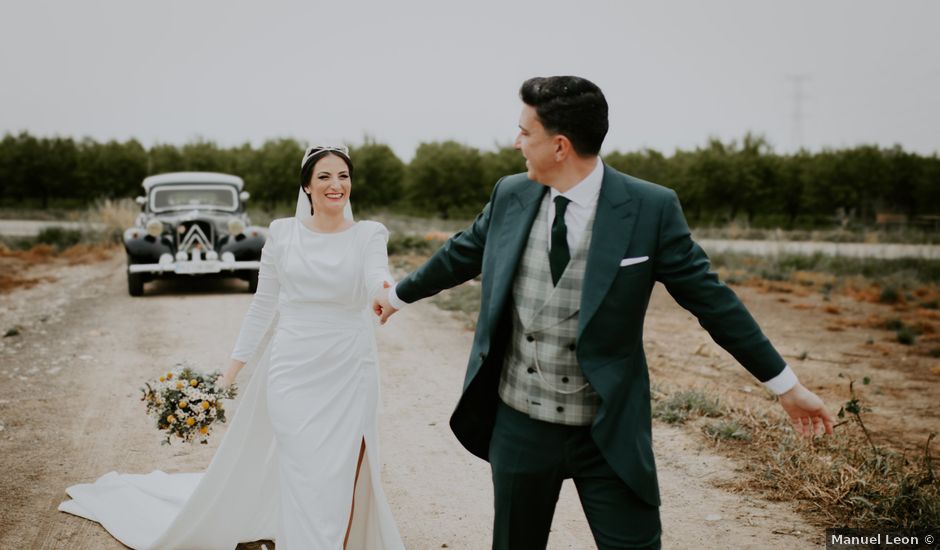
[306,170]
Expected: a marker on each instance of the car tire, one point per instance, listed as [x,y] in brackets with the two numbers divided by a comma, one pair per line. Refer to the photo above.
[135,282]
[252,281]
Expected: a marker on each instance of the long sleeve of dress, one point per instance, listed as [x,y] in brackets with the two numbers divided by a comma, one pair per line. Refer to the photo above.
[375,263]
[263,305]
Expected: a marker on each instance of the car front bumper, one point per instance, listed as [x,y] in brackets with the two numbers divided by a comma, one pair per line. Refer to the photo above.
[195,265]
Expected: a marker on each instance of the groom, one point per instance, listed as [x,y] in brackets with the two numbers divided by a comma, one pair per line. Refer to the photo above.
[557,384]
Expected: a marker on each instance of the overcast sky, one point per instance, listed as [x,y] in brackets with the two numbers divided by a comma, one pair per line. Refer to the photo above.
[674,72]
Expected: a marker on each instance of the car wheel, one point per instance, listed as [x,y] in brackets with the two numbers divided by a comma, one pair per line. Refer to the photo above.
[252,281]
[135,282]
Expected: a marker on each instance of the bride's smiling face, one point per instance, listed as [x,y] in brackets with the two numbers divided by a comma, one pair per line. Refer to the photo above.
[329,184]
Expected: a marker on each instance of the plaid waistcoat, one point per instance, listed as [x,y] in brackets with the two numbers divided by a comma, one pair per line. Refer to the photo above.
[540,371]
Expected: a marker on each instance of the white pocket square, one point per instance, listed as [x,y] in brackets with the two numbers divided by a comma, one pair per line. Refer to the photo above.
[630,261]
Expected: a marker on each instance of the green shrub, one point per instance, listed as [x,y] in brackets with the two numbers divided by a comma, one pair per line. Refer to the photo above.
[727,429]
[890,295]
[405,244]
[906,336]
[683,405]
[59,237]
[894,324]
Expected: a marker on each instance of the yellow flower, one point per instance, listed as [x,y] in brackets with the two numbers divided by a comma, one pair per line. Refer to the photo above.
[171,419]
[190,421]
[183,404]
[204,430]
[163,378]
[179,385]
[204,405]
[194,382]
[169,376]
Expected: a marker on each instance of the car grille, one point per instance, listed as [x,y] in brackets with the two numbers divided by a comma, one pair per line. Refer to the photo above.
[195,232]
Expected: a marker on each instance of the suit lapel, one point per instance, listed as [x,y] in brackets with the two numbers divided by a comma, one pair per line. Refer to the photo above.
[613,229]
[511,240]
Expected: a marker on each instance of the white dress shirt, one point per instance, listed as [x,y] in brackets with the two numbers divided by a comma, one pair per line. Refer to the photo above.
[583,198]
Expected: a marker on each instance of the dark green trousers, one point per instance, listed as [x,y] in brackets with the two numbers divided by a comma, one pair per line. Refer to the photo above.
[530,459]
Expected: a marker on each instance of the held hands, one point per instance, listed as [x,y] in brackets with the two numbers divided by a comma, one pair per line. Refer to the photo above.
[381,306]
[807,412]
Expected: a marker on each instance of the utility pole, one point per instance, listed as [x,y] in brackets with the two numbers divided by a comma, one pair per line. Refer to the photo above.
[796,131]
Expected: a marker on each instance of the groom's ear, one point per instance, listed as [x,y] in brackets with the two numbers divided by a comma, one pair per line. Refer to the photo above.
[563,147]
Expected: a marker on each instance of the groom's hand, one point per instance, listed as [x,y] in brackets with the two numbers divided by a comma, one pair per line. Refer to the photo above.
[381,306]
[808,413]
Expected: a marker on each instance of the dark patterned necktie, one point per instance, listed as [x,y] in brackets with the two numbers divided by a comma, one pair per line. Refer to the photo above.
[559,255]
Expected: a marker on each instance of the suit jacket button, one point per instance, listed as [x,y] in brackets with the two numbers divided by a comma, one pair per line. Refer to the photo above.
[560,409]
[571,346]
[564,379]
[482,356]
[530,370]
[529,338]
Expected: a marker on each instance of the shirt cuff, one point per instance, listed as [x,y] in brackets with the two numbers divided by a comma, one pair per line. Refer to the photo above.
[783,382]
[394,300]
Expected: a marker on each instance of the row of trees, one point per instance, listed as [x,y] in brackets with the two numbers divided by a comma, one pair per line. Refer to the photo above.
[718,182]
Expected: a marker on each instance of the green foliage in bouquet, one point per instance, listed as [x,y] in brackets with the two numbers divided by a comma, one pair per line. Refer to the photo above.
[186,403]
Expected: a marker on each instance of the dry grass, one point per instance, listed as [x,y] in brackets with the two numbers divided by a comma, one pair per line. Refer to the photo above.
[21,258]
[839,480]
[36,254]
[86,254]
[10,282]
[17,267]
[114,216]
[842,479]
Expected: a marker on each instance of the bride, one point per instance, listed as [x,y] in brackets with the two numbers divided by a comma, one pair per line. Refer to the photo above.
[299,461]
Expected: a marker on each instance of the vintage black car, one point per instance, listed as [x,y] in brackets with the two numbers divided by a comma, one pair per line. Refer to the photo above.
[192,224]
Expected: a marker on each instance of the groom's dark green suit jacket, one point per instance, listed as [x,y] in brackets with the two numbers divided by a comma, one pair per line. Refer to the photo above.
[634,219]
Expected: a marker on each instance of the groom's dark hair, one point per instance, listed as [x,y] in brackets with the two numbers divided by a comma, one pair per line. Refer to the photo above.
[571,106]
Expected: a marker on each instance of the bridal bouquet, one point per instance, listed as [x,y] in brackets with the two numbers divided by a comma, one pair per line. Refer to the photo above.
[186,403]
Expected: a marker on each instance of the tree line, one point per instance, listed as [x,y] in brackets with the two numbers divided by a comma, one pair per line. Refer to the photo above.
[718,182]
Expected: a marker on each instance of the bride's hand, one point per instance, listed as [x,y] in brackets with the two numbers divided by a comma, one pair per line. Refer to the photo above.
[381,306]
[227,379]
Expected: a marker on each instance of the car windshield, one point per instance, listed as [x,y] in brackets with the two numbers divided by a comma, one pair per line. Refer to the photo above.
[176,197]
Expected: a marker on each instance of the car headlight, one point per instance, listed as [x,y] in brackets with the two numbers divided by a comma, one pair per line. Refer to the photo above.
[235,226]
[154,228]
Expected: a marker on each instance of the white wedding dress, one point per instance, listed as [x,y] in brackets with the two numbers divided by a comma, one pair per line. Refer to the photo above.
[286,465]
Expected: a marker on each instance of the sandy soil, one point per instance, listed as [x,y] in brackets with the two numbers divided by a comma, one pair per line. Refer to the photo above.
[70,409]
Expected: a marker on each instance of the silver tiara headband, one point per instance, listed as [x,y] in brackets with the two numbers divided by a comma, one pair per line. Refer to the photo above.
[316,149]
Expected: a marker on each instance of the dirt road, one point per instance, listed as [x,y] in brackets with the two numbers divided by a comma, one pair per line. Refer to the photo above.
[69,412]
